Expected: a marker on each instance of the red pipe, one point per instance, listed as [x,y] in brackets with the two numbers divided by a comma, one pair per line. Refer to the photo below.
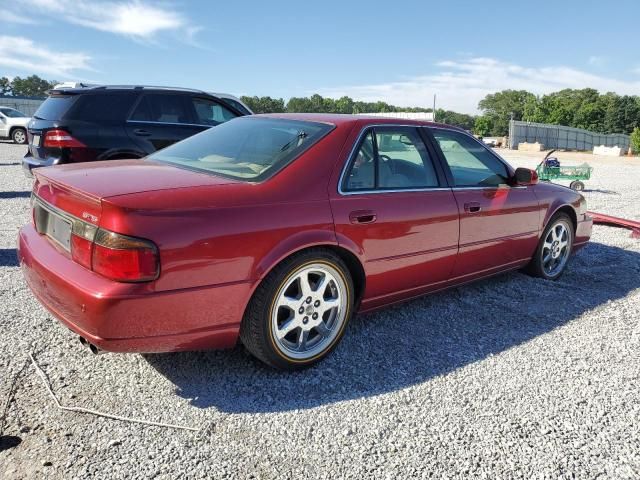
[602,219]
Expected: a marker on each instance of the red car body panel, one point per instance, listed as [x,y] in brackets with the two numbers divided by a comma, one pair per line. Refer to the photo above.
[218,238]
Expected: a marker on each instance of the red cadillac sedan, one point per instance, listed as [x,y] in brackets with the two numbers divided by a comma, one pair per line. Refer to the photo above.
[276,229]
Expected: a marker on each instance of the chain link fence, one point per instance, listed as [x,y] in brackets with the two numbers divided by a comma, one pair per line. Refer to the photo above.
[27,105]
[558,136]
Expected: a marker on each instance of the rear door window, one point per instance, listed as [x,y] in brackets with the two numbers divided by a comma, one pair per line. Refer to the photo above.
[390,158]
[163,108]
[54,107]
[209,112]
[102,108]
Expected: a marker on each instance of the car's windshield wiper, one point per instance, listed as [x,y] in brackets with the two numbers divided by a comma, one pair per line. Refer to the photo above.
[301,134]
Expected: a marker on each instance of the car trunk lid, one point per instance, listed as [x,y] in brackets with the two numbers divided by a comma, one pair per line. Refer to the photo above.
[99,180]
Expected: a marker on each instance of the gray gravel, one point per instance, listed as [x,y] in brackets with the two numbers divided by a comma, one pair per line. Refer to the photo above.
[509,378]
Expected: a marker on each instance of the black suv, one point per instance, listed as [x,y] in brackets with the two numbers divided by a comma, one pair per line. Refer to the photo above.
[115,122]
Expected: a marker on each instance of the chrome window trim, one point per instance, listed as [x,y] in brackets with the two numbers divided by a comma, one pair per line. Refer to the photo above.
[356,144]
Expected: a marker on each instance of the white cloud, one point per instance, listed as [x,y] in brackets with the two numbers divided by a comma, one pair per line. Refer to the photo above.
[11,17]
[460,85]
[133,18]
[23,54]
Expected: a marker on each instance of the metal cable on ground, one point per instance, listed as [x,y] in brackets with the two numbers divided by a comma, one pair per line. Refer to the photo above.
[46,383]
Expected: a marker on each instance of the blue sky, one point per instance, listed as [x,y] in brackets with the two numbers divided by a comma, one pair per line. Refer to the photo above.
[401,52]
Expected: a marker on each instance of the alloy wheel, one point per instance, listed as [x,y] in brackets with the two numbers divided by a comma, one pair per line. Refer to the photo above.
[309,311]
[556,249]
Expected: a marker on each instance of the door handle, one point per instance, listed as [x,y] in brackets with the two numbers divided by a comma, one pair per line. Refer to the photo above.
[141,132]
[472,207]
[362,216]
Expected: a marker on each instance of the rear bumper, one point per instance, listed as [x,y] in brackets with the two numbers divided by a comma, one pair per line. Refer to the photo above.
[29,162]
[122,317]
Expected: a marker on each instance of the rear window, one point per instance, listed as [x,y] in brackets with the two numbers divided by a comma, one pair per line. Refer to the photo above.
[247,148]
[54,107]
[102,108]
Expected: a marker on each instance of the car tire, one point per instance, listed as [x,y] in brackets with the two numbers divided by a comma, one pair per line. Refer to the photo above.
[300,310]
[19,136]
[554,249]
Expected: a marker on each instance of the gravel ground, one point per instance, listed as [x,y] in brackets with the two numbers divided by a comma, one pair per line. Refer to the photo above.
[509,378]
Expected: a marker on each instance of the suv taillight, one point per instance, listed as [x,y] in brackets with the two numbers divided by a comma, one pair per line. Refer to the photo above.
[61,139]
[117,257]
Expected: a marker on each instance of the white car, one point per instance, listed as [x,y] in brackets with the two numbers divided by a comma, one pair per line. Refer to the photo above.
[13,124]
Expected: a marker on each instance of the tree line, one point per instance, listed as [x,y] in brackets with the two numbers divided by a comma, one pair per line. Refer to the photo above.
[580,108]
[31,86]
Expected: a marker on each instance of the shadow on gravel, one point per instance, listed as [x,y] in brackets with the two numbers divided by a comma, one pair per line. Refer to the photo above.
[9,164]
[412,343]
[8,257]
[597,190]
[22,194]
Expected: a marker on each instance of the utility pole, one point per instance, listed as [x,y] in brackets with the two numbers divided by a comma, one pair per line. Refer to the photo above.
[434,107]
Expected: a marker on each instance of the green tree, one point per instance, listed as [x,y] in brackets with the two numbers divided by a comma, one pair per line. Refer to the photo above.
[482,126]
[531,111]
[502,106]
[264,104]
[461,120]
[635,140]
[5,86]
[299,105]
[344,105]
[32,86]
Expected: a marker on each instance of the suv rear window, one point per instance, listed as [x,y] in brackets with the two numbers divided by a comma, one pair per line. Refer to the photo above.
[246,148]
[54,107]
[102,108]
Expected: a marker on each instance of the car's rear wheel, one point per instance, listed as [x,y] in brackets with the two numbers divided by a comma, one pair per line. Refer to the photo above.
[554,249]
[19,136]
[299,312]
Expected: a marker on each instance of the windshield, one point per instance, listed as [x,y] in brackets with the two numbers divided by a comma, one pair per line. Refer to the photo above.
[12,113]
[245,148]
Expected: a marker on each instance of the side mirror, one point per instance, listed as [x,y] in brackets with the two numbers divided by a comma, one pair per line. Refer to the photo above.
[525,176]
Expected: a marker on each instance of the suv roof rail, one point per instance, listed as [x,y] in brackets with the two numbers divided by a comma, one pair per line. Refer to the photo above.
[150,87]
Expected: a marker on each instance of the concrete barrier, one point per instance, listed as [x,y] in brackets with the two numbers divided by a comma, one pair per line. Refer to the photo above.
[608,151]
[530,147]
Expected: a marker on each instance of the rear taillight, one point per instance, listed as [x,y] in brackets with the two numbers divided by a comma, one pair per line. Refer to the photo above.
[123,258]
[82,236]
[61,139]
[117,257]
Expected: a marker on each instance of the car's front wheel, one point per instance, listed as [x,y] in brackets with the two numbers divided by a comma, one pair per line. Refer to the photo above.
[19,136]
[554,249]
[299,312]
